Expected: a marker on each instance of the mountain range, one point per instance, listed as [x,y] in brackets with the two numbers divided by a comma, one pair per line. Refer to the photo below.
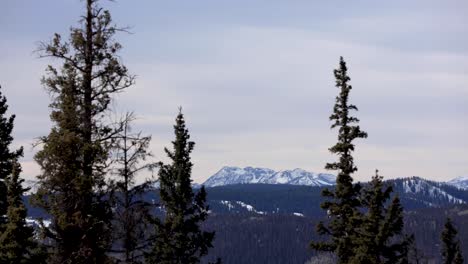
[251,175]
[269,216]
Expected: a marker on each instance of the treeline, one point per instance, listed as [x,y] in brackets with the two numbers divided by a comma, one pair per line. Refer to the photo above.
[279,238]
[89,162]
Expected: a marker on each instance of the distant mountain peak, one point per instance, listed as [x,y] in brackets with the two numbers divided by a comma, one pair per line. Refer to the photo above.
[461,182]
[426,191]
[249,175]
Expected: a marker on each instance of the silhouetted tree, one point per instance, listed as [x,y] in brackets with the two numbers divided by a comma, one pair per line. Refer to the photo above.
[178,237]
[17,243]
[451,252]
[131,214]
[380,238]
[343,202]
[7,156]
[75,155]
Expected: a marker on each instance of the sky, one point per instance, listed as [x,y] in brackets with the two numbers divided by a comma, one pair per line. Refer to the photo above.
[255,79]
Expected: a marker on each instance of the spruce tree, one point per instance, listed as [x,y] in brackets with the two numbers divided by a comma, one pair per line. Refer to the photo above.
[380,237]
[179,238]
[7,156]
[17,242]
[131,214]
[75,156]
[343,202]
[451,252]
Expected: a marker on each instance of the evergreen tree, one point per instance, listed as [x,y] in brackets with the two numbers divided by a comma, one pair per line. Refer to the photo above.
[17,243]
[7,157]
[378,241]
[451,252]
[343,202]
[131,214]
[179,238]
[75,155]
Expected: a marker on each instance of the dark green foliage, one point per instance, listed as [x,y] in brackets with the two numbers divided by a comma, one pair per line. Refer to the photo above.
[451,252]
[379,239]
[80,217]
[7,157]
[179,238]
[17,243]
[343,203]
[75,155]
[131,214]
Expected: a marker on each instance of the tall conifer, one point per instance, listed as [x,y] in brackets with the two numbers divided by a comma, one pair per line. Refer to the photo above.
[179,237]
[7,156]
[75,154]
[451,252]
[17,242]
[343,202]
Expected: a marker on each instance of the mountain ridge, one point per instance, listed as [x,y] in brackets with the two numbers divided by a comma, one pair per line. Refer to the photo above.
[229,175]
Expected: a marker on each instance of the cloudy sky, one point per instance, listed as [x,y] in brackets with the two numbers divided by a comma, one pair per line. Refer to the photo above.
[255,79]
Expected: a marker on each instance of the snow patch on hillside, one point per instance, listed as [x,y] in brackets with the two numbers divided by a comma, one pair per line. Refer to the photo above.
[417,185]
[35,222]
[232,205]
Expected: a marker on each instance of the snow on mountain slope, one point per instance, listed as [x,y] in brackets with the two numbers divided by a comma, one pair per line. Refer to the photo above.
[301,177]
[460,182]
[235,175]
[427,190]
[249,175]
[238,205]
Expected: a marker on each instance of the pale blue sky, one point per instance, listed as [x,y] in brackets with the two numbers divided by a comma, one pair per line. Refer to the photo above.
[255,79]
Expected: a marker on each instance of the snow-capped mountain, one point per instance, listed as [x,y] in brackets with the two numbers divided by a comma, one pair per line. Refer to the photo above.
[301,177]
[235,175]
[460,182]
[430,193]
[32,185]
[249,175]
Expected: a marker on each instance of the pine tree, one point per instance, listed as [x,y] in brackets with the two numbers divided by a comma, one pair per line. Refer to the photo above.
[451,252]
[75,155]
[179,238]
[380,233]
[343,202]
[131,214]
[17,243]
[7,157]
